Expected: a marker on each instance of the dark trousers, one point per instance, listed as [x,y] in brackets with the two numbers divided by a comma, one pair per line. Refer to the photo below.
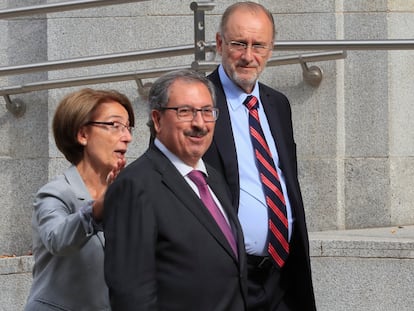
[264,289]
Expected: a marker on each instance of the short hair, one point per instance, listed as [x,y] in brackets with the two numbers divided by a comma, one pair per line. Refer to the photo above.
[159,93]
[249,5]
[74,111]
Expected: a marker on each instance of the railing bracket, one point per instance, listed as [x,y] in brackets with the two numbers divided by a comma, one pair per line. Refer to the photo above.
[199,27]
[17,107]
[311,75]
[143,88]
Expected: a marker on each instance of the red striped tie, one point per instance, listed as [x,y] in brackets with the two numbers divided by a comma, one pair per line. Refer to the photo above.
[278,247]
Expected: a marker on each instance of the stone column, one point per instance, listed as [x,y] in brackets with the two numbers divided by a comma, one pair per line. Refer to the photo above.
[24,140]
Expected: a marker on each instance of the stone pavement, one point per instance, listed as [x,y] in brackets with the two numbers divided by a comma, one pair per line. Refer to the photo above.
[364,270]
[389,242]
[353,270]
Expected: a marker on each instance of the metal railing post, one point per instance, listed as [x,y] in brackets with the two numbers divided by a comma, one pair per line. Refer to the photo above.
[199,28]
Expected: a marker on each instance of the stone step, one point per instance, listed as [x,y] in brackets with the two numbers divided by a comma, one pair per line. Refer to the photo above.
[353,270]
[364,270]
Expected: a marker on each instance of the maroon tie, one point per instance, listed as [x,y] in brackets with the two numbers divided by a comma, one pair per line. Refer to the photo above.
[198,178]
[278,247]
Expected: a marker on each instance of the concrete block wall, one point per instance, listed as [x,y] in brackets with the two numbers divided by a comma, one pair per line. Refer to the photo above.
[354,132]
[23,141]
[15,282]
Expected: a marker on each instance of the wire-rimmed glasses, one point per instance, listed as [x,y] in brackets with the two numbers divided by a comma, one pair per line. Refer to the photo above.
[241,47]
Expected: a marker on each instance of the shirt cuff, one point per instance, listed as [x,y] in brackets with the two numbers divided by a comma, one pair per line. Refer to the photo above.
[89,224]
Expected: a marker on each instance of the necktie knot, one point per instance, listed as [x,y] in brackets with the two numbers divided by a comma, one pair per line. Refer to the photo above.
[198,178]
[251,102]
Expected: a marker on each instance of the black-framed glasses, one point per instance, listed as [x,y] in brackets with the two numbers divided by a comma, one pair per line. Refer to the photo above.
[241,47]
[209,114]
[115,126]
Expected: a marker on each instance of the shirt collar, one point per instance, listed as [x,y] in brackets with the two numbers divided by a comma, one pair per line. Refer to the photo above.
[235,94]
[183,168]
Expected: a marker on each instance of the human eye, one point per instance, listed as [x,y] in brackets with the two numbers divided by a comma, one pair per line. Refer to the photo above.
[259,46]
[116,125]
[208,111]
[238,45]
[184,111]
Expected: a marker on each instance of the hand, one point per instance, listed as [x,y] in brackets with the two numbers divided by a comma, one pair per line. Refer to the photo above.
[97,209]
[115,171]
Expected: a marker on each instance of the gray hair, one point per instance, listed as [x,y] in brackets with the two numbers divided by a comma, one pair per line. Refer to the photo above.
[159,93]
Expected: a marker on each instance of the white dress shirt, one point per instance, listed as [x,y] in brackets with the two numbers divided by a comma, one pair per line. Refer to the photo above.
[184,169]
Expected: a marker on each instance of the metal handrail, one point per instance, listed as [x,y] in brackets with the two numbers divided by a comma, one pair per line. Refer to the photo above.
[98,60]
[312,75]
[153,73]
[87,80]
[205,66]
[348,45]
[59,7]
[404,44]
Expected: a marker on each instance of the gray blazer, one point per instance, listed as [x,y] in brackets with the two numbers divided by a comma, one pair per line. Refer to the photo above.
[68,273]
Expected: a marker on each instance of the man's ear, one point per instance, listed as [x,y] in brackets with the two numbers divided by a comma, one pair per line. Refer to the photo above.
[219,43]
[156,119]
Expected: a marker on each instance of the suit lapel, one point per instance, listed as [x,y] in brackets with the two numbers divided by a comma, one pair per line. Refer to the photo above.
[176,183]
[275,123]
[278,128]
[216,184]
[224,141]
[223,124]
[82,194]
[76,183]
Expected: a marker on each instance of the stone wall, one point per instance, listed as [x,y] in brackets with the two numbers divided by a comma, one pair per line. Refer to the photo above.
[354,132]
[354,135]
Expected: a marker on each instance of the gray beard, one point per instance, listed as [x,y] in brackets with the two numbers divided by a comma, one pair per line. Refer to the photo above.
[244,83]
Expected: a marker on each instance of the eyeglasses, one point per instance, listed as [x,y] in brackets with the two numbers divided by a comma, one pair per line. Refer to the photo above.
[241,47]
[210,114]
[114,126]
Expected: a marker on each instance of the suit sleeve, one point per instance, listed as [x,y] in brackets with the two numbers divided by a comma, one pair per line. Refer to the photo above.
[129,228]
[55,218]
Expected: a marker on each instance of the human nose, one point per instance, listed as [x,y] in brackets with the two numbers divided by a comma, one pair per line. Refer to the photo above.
[126,136]
[198,116]
[247,53]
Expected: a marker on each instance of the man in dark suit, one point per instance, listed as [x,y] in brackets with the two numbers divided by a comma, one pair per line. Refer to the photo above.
[245,41]
[164,249]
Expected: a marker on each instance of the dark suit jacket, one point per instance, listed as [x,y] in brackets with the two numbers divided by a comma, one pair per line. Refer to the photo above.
[296,275]
[164,250]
